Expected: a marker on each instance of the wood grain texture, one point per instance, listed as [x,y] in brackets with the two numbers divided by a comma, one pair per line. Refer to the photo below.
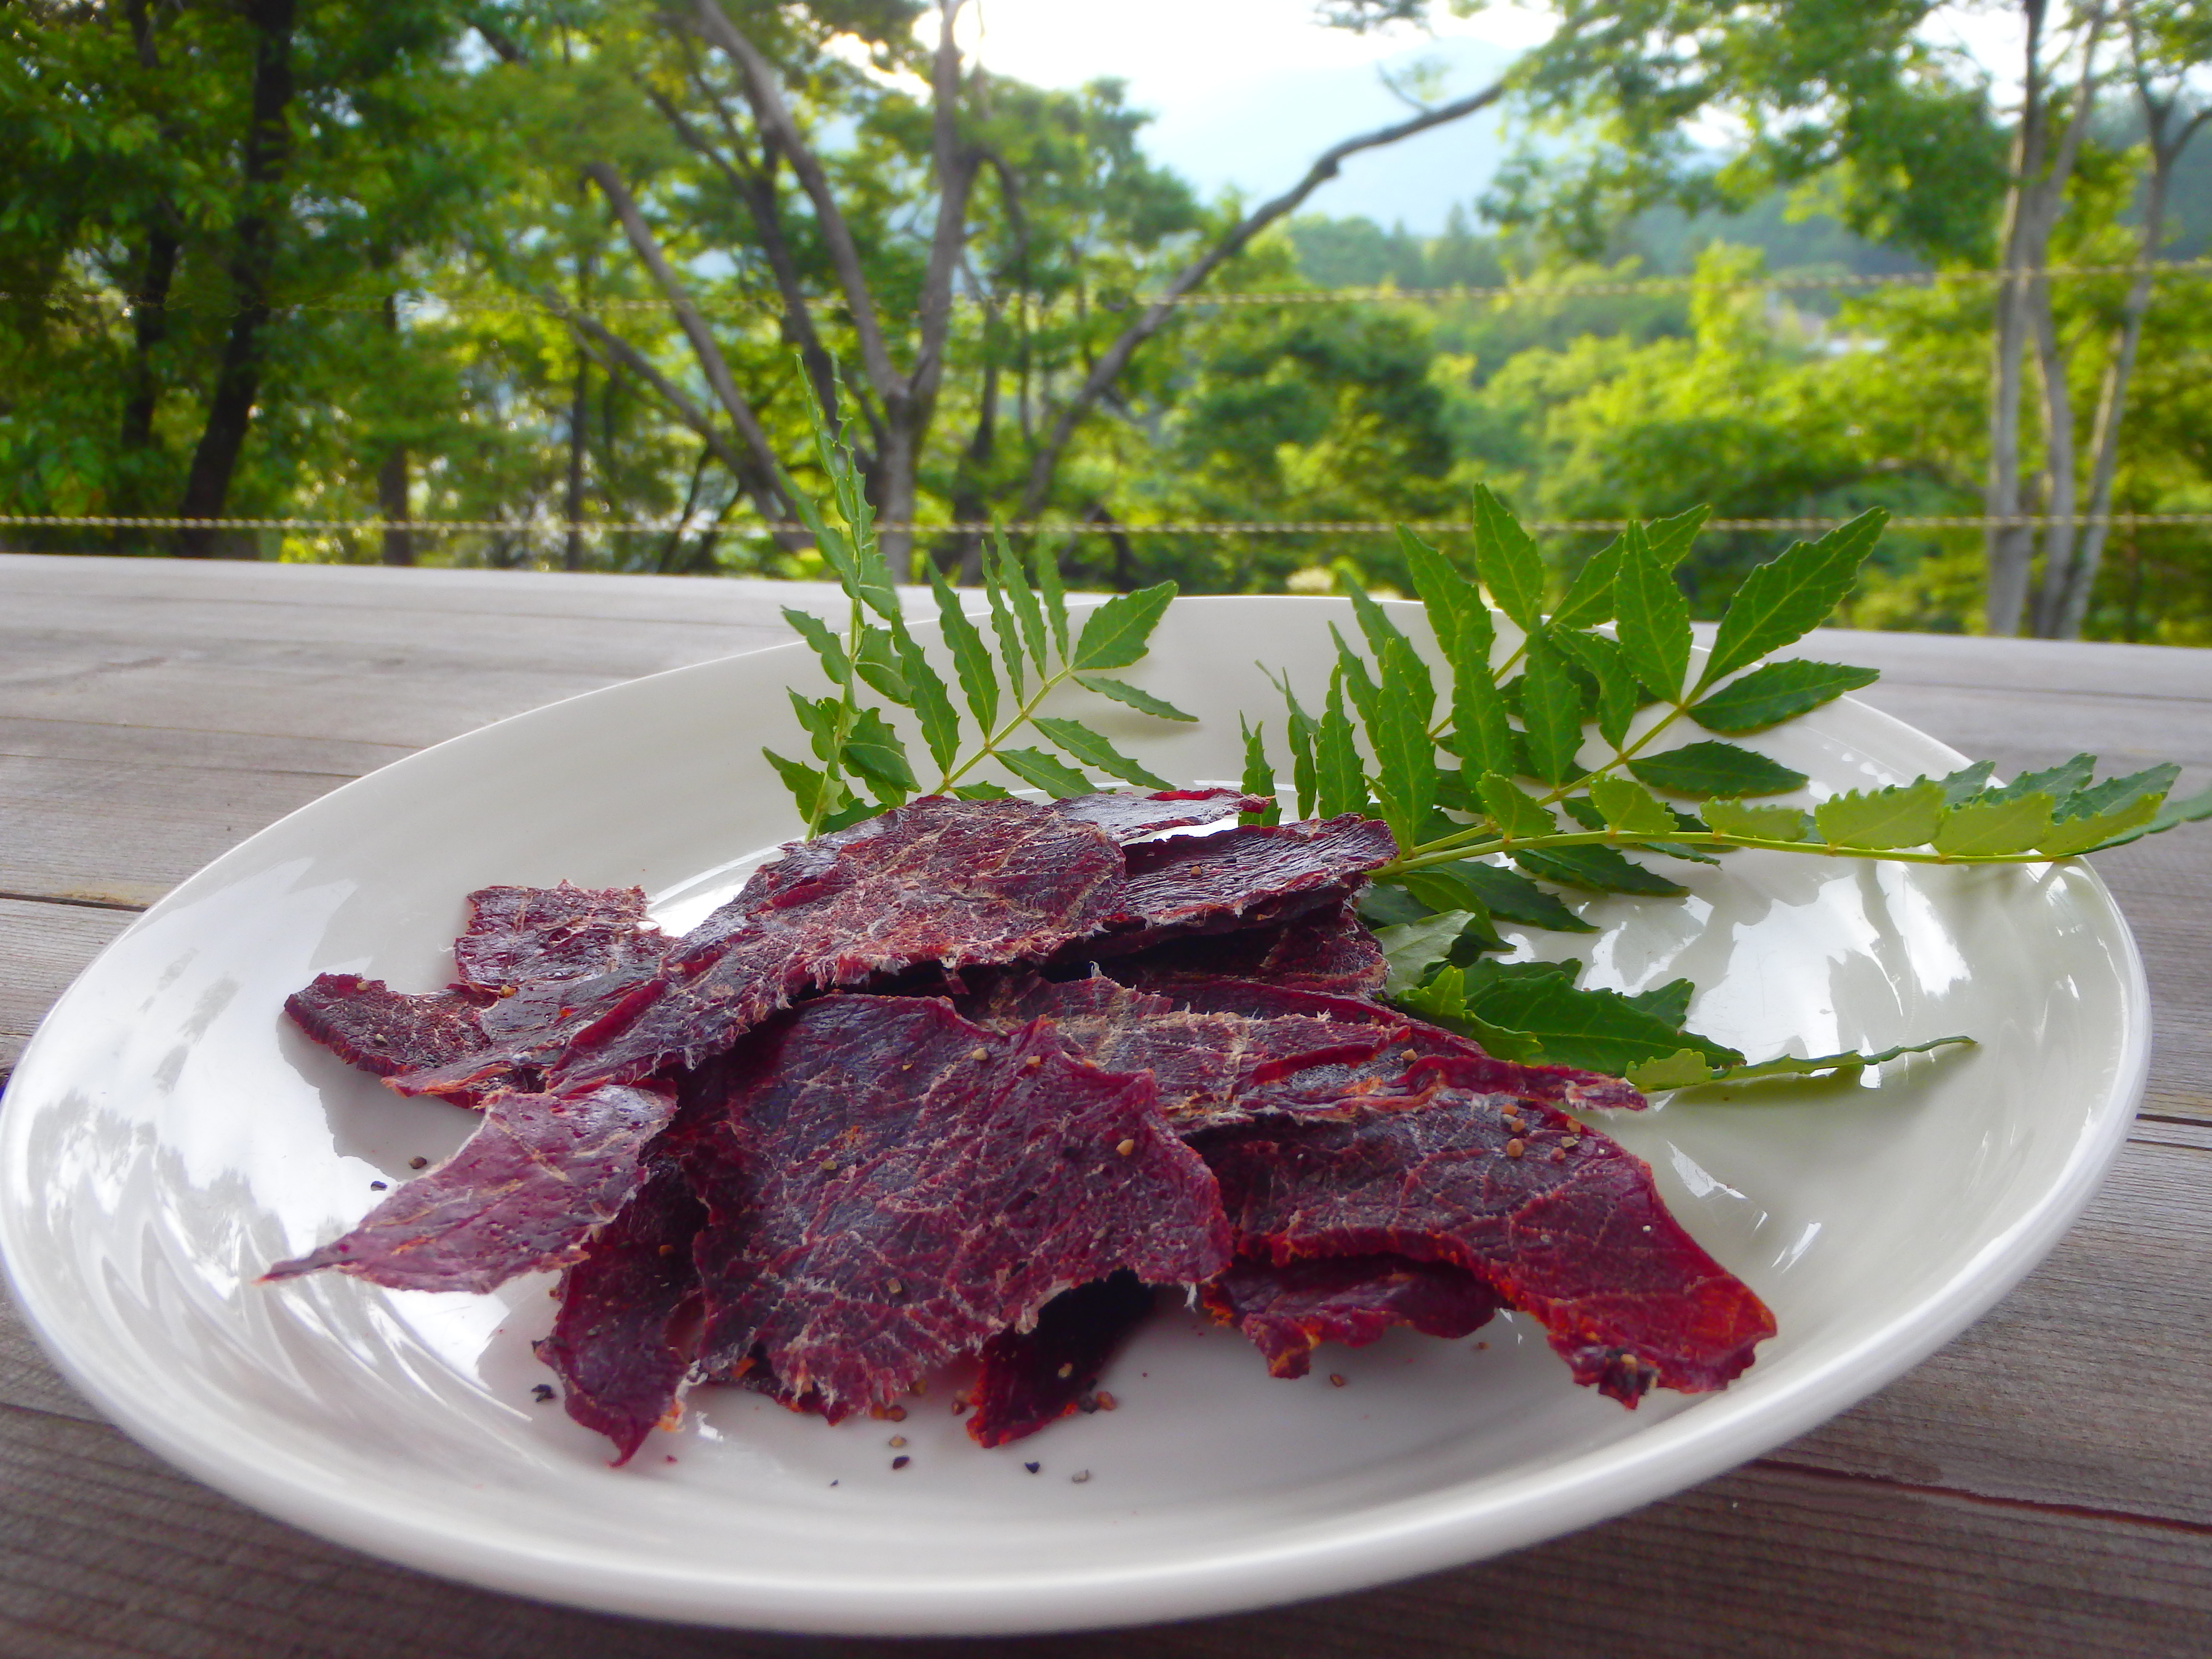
[2038,1487]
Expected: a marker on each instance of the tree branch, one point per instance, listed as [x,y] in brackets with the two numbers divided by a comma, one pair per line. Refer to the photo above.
[1116,356]
[775,120]
[956,166]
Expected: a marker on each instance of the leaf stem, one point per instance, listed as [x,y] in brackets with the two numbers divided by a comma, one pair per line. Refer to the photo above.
[992,741]
[1451,852]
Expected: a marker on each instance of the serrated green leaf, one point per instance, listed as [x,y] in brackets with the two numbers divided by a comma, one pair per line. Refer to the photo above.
[1584,810]
[1134,695]
[1669,1002]
[1005,630]
[2113,793]
[1341,781]
[1093,750]
[1688,1068]
[1054,591]
[1507,894]
[1411,949]
[1599,869]
[1728,818]
[1551,713]
[2059,781]
[1507,560]
[1259,777]
[1115,635]
[1670,538]
[1630,808]
[1040,770]
[854,811]
[982,792]
[1518,816]
[1588,599]
[879,663]
[1787,598]
[1713,769]
[873,750]
[826,644]
[1387,904]
[1300,730]
[1967,782]
[804,782]
[817,718]
[1022,597]
[1405,755]
[2138,817]
[1442,1001]
[1903,815]
[1652,619]
[931,701]
[1480,735]
[1776,692]
[1446,593]
[1366,695]
[1596,1031]
[1603,661]
[971,657]
[2189,809]
[1375,623]
[1995,826]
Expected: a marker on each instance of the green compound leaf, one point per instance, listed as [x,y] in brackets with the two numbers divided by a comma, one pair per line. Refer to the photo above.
[1966,783]
[1903,815]
[1670,1001]
[1787,598]
[1087,746]
[931,700]
[1480,734]
[1442,1001]
[1551,713]
[1517,815]
[1447,595]
[1653,619]
[2138,817]
[1630,808]
[1599,869]
[804,782]
[827,645]
[879,665]
[2059,782]
[971,657]
[1728,818]
[1115,635]
[1386,904]
[1023,597]
[2115,793]
[1507,560]
[1989,826]
[1301,729]
[1412,949]
[1054,593]
[1040,770]
[1134,695]
[1405,755]
[1006,629]
[1618,692]
[1776,692]
[1507,894]
[1366,695]
[982,791]
[1711,767]
[1670,538]
[1686,1068]
[817,718]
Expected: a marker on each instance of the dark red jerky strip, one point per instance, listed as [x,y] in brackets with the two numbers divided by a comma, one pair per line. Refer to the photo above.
[1459,1060]
[892,1185]
[367,1023]
[1034,1378]
[1290,1310]
[550,953]
[951,882]
[541,1173]
[1201,1064]
[1328,951]
[1560,1222]
[628,1329]
[1125,818]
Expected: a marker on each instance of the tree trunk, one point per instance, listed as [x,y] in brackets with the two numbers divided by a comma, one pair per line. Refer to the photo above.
[149,327]
[392,504]
[2059,534]
[238,378]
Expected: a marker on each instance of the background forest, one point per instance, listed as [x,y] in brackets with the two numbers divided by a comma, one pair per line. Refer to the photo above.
[550,267]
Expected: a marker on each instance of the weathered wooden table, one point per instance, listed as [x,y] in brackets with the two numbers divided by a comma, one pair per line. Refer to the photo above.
[2043,1485]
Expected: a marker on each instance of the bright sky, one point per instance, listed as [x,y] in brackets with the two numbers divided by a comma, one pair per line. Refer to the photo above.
[1246,91]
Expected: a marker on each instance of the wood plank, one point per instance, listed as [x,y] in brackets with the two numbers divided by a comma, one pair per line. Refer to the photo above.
[103,1552]
[44,947]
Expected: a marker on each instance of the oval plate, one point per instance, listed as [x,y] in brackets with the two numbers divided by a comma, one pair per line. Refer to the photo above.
[167,1136]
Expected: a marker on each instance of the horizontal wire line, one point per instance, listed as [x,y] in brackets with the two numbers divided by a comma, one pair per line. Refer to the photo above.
[1235,297]
[1043,527]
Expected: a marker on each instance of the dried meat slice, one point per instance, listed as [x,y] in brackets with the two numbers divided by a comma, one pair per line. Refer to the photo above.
[1290,1309]
[1033,1378]
[1247,876]
[526,1191]
[1128,818]
[628,1329]
[1327,950]
[367,1024]
[891,1185]
[545,952]
[1559,1221]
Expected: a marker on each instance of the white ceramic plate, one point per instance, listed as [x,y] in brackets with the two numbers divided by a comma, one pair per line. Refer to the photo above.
[167,1136]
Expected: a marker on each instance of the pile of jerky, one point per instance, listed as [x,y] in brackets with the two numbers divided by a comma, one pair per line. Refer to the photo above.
[971,1079]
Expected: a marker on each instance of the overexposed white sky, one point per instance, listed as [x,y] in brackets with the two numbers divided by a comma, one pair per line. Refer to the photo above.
[1245,92]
